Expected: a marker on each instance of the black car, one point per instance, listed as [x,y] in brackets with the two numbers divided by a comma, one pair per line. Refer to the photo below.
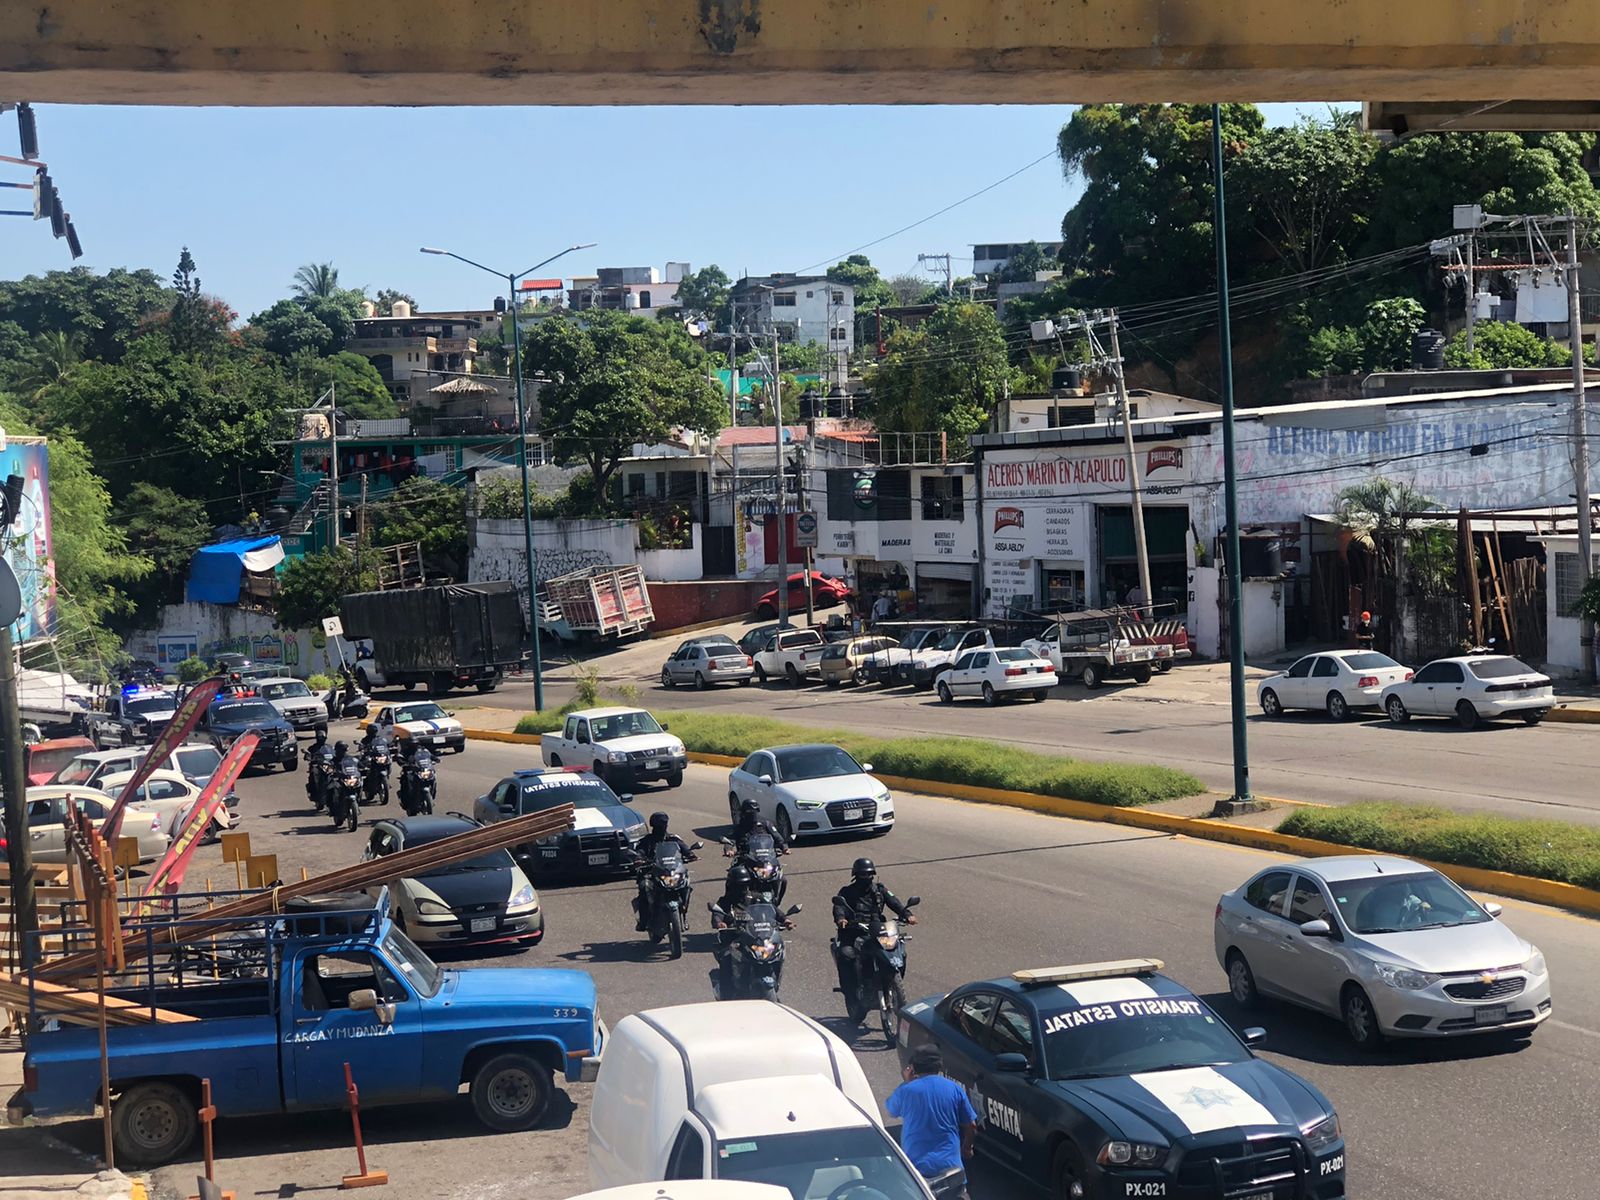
[229,716]
[1111,1080]
[479,901]
[604,828]
[756,638]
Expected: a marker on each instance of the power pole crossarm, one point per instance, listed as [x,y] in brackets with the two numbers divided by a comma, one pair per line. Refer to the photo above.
[1147,596]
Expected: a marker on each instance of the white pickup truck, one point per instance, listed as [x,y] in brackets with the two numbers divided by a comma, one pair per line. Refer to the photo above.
[623,746]
[792,654]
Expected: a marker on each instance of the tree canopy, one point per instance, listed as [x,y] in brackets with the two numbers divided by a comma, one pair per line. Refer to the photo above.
[946,375]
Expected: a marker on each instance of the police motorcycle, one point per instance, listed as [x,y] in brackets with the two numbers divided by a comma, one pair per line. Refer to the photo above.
[419,785]
[666,894]
[345,699]
[754,947]
[880,962]
[319,774]
[344,804]
[376,758]
[760,854]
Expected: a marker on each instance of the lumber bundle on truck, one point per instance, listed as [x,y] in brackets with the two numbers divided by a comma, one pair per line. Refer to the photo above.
[78,1006]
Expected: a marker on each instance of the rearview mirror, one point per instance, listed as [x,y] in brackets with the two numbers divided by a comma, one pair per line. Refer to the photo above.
[913,901]
[727,841]
[1493,909]
[765,781]
[626,797]
[1316,929]
[794,909]
[697,845]
[866,766]
[665,727]
[1011,1062]
[713,909]
[1254,1036]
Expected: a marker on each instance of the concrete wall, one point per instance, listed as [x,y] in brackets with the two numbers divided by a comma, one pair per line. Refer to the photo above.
[671,565]
[1263,618]
[1563,653]
[212,629]
[497,548]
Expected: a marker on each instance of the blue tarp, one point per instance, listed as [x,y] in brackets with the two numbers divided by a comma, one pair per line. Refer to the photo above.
[217,572]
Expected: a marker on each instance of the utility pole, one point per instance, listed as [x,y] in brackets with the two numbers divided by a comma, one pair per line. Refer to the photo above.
[361,525]
[1472,288]
[19,851]
[777,463]
[1580,447]
[1241,752]
[1133,467]
[333,456]
[733,372]
[949,274]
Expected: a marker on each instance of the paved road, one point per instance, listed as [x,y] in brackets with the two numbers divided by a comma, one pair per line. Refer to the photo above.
[1301,756]
[1001,889]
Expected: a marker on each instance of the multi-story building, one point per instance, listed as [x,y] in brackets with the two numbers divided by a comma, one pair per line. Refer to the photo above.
[640,291]
[405,345]
[803,308]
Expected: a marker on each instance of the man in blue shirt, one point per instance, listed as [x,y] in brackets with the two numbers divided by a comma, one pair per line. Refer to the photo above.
[938,1123]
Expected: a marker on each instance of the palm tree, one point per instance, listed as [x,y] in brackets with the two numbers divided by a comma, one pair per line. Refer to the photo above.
[1379,515]
[316,279]
[52,358]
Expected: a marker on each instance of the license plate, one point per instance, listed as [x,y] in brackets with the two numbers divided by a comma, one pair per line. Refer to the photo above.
[438,741]
[853,814]
[599,860]
[1257,1196]
[482,925]
[1489,1014]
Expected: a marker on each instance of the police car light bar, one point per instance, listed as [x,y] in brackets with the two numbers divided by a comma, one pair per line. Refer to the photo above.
[1099,970]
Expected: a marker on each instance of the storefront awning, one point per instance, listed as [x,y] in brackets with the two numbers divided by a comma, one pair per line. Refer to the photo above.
[217,572]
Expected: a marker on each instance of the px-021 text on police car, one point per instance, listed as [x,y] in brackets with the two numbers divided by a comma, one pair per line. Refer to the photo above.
[1109,1080]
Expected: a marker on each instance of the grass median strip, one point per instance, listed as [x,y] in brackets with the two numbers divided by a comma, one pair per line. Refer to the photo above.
[1555,850]
[937,759]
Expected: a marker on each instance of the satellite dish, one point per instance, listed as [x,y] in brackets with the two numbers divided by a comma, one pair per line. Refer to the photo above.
[10,594]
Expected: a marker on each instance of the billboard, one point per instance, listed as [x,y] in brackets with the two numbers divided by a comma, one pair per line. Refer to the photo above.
[32,549]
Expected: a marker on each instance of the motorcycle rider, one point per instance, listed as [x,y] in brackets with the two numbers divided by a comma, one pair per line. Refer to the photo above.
[646,849]
[372,740]
[735,895]
[319,762]
[750,822]
[857,904]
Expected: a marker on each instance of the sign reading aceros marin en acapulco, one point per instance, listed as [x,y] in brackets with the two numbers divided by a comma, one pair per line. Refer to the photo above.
[1100,475]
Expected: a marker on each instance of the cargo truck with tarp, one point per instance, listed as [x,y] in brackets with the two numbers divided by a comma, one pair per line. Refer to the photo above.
[444,637]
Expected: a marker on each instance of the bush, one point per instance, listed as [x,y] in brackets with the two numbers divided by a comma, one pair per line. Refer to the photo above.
[939,759]
[193,669]
[320,682]
[1554,850]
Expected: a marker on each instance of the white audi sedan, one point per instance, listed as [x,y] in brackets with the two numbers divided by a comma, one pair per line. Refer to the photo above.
[1390,947]
[1473,688]
[1336,681]
[811,791]
[997,673]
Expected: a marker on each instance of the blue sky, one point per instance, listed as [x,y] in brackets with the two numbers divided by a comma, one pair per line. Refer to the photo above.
[256,192]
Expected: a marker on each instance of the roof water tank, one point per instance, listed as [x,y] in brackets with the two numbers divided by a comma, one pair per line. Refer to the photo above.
[1066,379]
[368,309]
[400,308]
[1427,350]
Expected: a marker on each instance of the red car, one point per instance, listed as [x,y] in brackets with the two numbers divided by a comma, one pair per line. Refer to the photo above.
[824,593]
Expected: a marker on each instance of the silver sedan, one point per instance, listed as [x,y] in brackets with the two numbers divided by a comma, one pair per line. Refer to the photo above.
[1391,947]
[702,662]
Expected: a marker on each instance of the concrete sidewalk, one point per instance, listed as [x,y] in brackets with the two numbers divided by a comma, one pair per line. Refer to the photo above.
[36,1165]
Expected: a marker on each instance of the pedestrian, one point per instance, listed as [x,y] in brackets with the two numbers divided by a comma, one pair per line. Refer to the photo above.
[1364,635]
[880,609]
[938,1123]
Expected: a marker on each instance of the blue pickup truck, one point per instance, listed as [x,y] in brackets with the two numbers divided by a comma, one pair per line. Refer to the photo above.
[328,982]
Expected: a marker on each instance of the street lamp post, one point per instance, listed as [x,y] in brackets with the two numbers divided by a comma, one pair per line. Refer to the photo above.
[522,447]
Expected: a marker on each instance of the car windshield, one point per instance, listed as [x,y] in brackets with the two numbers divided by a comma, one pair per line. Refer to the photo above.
[580,791]
[413,963]
[951,640]
[1013,654]
[622,725]
[823,1162]
[1130,1036]
[197,762]
[1500,668]
[1395,903]
[243,712]
[288,689]
[721,646]
[1369,660]
[814,762]
[493,860]
[147,705]
[425,710]
[836,651]
[78,771]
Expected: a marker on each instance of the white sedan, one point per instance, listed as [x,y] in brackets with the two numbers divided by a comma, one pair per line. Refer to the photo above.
[170,796]
[997,673]
[1472,689]
[1336,681]
[805,791]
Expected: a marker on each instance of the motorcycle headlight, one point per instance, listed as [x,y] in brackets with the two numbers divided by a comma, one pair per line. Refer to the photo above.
[1404,978]
[763,950]
[425,773]
[763,872]
[1535,964]
[673,879]
[1122,1154]
[522,897]
[888,940]
[433,908]
[1321,1134]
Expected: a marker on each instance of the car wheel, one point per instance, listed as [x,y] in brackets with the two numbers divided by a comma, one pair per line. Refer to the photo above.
[1360,1021]
[989,696]
[365,681]
[510,1092]
[675,780]
[1164,665]
[784,826]
[153,1123]
[699,682]
[1090,676]
[745,682]
[1534,717]
[861,676]
[832,681]
[1242,981]
[761,673]
[1066,1173]
[1142,674]
[765,612]
[946,696]
[733,809]
[1041,695]
[1466,716]
[792,674]
[1338,707]
[555,760]
[666,679]
[1396,708]
[1270,704]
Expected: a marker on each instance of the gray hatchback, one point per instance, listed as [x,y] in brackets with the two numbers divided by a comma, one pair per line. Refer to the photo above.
[703,662]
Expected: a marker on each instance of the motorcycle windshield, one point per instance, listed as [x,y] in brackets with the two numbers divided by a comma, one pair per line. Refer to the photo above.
[759,848]
[761,922]
[669,859]
[421,759]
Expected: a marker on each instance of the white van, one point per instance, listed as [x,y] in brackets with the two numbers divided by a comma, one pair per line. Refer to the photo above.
[746,1090]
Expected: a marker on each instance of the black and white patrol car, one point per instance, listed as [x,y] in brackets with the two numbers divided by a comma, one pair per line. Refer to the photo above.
[1109,1080]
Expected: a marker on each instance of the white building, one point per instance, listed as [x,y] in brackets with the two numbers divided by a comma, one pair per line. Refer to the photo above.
[638,291]
[803,308]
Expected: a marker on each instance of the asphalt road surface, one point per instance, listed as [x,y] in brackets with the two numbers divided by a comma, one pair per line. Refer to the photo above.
[1001,889]
[1301,756]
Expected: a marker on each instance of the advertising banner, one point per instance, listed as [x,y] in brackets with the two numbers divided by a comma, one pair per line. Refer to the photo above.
[32,550]
[168,740]
[168,875]
[1100,473]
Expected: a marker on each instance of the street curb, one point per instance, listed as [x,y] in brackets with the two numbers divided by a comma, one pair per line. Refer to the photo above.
[1574,716]
[1500,883]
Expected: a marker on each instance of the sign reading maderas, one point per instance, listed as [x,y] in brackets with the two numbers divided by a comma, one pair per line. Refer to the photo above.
[1054,473]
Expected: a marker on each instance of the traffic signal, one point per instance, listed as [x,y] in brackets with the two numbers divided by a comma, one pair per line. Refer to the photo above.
[58,217]
[72,240]
[44,196]
[27,130]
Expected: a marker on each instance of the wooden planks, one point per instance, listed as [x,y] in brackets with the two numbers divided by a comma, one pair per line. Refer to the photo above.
[80,1006]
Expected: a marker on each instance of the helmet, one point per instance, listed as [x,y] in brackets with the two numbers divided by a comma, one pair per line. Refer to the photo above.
[738,878]
[321,735]
[748,808]
[863,869]
[1366,616]
[658,822]
[339,749]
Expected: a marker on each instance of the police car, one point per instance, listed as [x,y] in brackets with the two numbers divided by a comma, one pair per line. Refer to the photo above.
[604,827]
[1110,1080]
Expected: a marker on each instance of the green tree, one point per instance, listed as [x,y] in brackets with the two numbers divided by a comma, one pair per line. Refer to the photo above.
[1505,345]
[288,330]
[358,387]
[105,312]
[426,511]
[1333,350]
[165,528]
[385,299]
[1024,266]
[907,289]
[617,381]
[1302,193]
[46,363]
[946,375]
[309,588]
[705,293]
[870,289]
[316,280]
[1387,332]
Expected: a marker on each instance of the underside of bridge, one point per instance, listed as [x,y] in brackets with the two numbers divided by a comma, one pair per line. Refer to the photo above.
[1434,60]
